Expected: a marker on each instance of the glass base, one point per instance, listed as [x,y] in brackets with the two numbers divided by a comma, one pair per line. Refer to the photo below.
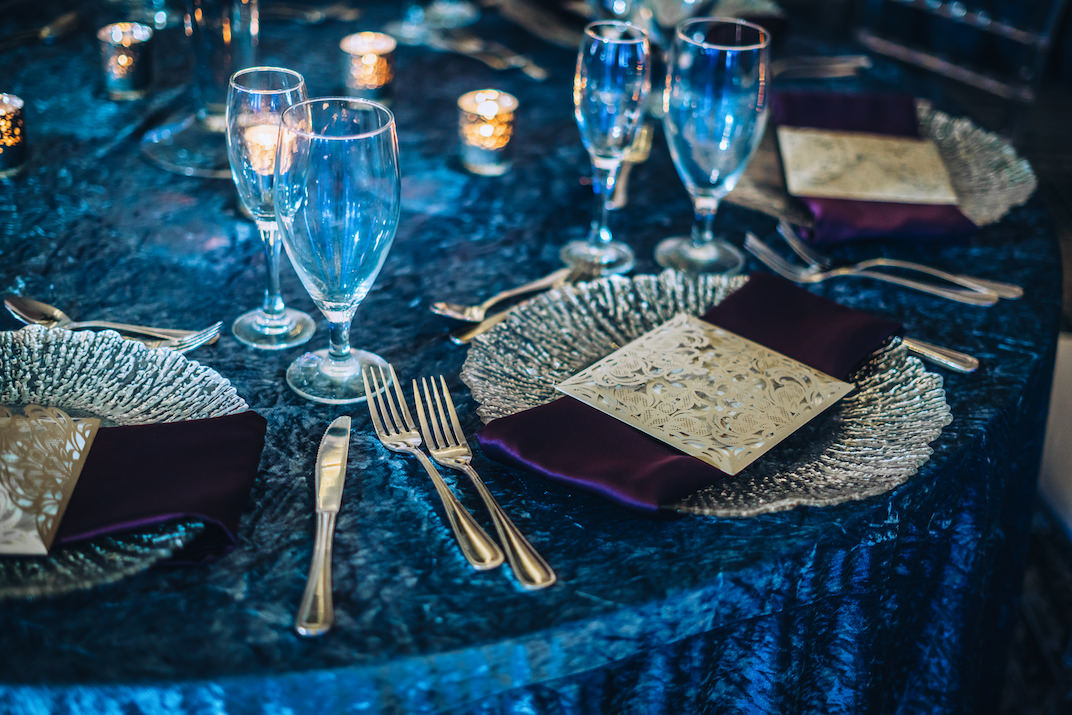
[195,145]
[598,260]
[316,378]
[257,330]
[681,254]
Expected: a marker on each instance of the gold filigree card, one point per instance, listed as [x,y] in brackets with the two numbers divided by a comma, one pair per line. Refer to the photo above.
[706,391]
[41,455]
[863,167]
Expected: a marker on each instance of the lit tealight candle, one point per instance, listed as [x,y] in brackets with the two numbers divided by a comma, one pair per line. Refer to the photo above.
[260,142]
[127,57]
[12,135]
[368,64]
[486,125]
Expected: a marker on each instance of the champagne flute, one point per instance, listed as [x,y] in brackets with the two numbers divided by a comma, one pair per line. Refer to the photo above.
[717,91]
[337,200]
[255,102]
[609,89]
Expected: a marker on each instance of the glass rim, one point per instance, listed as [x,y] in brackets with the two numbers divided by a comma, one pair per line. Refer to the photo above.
[234,81]
[764,33]
[375,106]
[590,27]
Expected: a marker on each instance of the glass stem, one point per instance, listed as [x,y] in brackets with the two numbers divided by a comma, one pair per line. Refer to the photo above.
[703,233]
[339,339]
[273,305]
[603,181]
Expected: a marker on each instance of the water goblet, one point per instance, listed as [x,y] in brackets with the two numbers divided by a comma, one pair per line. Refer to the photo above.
[609,89]
[337,200]
[717,92]
[255,103]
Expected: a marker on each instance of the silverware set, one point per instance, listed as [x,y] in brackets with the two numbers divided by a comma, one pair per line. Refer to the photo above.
[441,431]
[34,312]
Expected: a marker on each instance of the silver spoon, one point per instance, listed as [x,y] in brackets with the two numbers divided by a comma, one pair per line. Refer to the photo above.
[30,311]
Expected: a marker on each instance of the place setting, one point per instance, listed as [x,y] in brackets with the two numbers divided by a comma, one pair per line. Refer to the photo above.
[555,439]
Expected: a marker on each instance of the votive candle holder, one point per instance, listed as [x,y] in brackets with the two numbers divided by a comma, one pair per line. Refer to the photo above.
[12,135]
[126,54]
[486,126]
[368,64]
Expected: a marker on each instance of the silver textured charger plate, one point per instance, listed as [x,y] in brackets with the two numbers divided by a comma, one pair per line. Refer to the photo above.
[988,176]
[872,441]
[121,382]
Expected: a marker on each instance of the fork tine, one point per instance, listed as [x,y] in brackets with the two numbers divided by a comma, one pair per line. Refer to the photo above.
[440,424]
[372,397]
[385,393]
[769,258]
[442,417]
[402,405]
[429,438]
[459,435]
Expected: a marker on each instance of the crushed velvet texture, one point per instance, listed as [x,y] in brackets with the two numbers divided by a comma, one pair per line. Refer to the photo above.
[898,603]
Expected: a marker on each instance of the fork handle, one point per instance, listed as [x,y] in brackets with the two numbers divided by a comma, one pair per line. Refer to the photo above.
[1000,288]
[971,297]
[479,550]
[127,328]
[316,612]
[527,564]
[548,281]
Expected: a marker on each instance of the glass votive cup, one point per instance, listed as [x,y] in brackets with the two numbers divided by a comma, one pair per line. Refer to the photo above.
[486,126]
[126,54]
[12,135]
[368,64]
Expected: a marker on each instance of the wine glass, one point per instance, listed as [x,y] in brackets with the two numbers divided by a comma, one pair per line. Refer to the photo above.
[610,86]
[255,102]
[717,91]
[337,199]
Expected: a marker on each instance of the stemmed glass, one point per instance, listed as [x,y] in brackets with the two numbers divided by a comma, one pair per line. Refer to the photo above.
[609,89]
[337,198]
[255,102]
[717,91]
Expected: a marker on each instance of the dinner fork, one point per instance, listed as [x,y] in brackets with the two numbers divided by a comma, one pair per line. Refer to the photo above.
[799,274]
[448,446]
[187,342]
[819,261]
[476,313]
[395,429]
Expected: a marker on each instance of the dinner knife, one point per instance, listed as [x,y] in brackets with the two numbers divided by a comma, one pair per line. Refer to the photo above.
[316,613]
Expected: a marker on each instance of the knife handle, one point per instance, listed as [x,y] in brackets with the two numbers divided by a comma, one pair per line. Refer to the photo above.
[316,612]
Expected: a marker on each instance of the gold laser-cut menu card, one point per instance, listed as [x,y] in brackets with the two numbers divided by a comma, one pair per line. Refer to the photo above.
[41,456]
[863,167]
[706,391]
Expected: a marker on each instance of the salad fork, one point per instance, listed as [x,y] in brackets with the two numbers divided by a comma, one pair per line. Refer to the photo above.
[819,261]
[395,429]
[800,274]
[189,342]
[448,446]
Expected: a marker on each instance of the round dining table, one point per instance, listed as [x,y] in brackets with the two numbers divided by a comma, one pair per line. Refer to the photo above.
[901,602]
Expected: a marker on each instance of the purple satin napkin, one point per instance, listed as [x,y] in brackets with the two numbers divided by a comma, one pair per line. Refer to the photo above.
[839,220]
[139,475]
[569,441]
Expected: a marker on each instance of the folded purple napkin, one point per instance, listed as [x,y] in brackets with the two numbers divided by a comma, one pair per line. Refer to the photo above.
[844,219]
[139,475]
[571,442]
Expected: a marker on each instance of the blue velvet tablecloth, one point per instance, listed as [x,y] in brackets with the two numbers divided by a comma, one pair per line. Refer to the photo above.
[900,603]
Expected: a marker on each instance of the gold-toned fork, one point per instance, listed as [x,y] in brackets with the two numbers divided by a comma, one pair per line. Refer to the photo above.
[446,442]
[187,342]
[395,429]
[476,313]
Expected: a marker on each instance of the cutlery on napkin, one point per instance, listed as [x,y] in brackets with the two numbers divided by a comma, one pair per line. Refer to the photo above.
[570,442]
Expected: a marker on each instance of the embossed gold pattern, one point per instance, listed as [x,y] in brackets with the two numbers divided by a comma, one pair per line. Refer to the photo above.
[41,455]
[709,392]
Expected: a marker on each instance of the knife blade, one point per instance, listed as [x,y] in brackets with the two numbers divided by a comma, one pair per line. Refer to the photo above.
[316,612]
